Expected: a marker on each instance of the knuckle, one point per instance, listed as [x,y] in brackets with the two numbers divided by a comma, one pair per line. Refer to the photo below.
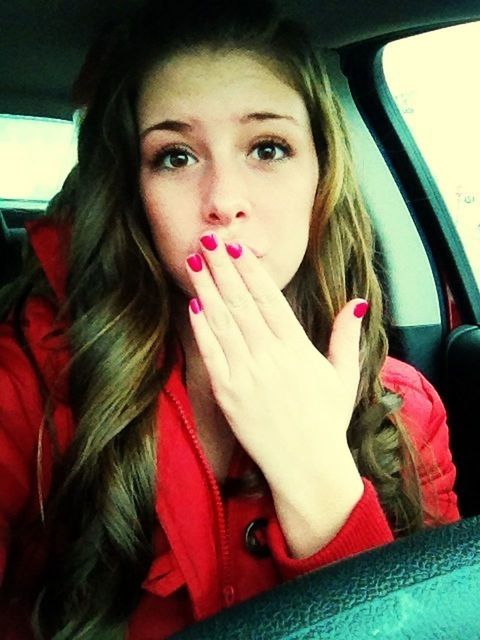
[266,299]
[237,301]
[221,322]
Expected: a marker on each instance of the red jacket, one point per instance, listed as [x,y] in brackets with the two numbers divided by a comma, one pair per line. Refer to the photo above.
[201,561]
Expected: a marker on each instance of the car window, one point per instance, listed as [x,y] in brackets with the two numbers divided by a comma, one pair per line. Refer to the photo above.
[433,78]
[36,156]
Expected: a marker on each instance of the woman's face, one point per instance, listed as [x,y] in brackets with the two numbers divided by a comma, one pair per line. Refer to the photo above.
[226,147]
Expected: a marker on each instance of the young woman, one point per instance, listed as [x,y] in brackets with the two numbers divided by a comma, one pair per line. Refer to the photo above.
[196,404]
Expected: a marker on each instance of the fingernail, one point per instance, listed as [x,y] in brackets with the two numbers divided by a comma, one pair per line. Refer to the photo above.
[209,241]
[361,309]
[195,262]
[195,305]
[234,250]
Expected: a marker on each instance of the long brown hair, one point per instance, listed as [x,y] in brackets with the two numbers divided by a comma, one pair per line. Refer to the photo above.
[100,513]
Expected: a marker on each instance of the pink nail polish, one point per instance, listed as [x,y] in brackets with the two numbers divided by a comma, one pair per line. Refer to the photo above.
[234,250]
[209,241]
[361,309]
[195,305]
[195,262]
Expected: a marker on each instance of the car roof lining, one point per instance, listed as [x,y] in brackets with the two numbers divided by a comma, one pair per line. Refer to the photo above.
[58,47]
[58,34]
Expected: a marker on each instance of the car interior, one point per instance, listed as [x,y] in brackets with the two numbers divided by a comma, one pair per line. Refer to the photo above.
[432,302]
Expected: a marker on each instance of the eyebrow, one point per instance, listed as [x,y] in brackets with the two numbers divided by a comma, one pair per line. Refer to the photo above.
[182,127]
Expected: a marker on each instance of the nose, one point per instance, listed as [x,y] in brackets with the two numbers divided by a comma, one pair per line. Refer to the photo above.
[224,197]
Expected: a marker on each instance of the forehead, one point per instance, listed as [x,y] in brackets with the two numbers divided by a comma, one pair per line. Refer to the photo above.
[207,85]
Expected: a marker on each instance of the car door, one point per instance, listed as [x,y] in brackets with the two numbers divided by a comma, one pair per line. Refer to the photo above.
[414,122]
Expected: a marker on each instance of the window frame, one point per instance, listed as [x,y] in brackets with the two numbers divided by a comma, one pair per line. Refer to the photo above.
[36,204]
[456,284]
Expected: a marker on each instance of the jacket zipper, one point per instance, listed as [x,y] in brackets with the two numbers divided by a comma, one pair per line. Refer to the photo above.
[228,593]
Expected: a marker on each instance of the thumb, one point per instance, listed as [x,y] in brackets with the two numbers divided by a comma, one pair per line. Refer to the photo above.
[344,346]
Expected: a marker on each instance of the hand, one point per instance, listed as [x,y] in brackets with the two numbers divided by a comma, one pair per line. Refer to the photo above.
[287,404]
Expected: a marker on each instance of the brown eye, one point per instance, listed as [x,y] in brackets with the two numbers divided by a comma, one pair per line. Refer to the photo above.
[172,158]
[270,151]
[267,152]
[178,160]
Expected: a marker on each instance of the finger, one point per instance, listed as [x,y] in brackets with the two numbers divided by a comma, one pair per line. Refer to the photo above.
[272,304]
[344,346]
[210,349]
[236,295]
[215,313]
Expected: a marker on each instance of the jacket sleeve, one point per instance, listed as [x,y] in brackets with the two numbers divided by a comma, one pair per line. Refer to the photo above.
[437,470]
[367,526]
[21,410]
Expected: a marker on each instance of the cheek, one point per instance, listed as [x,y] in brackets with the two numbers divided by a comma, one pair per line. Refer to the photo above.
[163,211]
[154,200]
[161,220]
[294,209]
[166,217]
[295,201]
